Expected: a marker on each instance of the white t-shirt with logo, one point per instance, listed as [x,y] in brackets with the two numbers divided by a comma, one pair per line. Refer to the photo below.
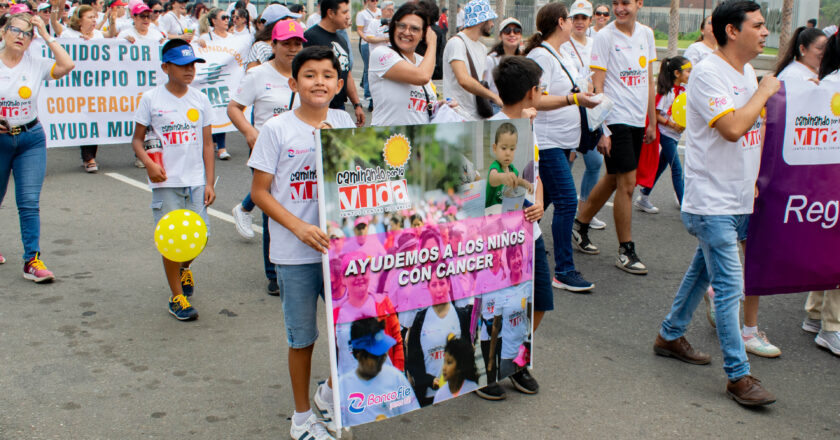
[559,128]
[433,338]
[457,50]
[697,51]
[170,24]
[19,88]
[268,91]
[796,71]
[364,16]
[179,124]
[396,103]
[388,381]
[512,306]
[486,281]
[626,61]
[285,149]
[719,175]
[152,35]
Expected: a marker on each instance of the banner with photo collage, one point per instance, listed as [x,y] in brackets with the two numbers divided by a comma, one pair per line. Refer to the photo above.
[429,272]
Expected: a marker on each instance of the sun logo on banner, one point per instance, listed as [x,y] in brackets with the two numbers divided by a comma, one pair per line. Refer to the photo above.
[835,104]
[25,92]
[397,150]
[192,115]
[642,61]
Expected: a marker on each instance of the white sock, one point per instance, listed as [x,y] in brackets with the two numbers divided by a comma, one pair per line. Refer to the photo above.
[299,418]
[749,331]
[326,392]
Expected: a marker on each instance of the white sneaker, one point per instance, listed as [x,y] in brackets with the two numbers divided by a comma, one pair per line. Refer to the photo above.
[311,429]
[596,224]
[325,407]
[829,341]
[643,203]
[139,163]
[224,155]
[242,221]
[758,345]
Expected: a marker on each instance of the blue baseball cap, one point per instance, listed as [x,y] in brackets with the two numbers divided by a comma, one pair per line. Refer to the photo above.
[181,56]
[376,344]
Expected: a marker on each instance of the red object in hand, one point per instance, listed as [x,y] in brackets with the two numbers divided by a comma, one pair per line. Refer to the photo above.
[154,149]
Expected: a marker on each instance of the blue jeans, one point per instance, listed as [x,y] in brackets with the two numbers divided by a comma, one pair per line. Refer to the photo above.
[716,260]
[559,189]
[364,49]
[25,156]
[668,156]
[219,140]
[593,161]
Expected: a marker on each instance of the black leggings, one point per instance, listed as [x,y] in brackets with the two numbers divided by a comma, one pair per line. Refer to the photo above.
[492,376]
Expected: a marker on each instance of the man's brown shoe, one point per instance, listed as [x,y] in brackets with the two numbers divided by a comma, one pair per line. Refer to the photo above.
[680,348]
[748,392]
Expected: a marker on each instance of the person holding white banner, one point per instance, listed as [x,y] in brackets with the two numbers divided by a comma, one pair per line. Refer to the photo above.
[23,146]
[266,88]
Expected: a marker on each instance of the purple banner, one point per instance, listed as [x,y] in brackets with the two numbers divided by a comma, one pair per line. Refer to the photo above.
[794,235]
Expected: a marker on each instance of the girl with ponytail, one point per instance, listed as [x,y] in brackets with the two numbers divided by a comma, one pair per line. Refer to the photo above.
[673,75]
[831,58]
[218,20]
[801,60]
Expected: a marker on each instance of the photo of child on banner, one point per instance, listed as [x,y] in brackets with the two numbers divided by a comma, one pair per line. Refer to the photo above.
[430,255]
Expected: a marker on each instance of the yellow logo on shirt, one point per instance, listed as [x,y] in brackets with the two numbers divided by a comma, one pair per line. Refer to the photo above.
[397,150]
[835,104]
[25,92]
[524,302]
[643,61]
[192,115]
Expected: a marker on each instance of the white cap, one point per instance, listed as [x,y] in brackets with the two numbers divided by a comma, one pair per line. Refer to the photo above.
[581,7]
[508,21]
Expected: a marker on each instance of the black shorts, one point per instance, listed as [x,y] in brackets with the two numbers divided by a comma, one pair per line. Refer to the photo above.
[625,150]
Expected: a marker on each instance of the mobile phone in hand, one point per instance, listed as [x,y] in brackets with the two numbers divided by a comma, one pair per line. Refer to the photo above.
[5,124]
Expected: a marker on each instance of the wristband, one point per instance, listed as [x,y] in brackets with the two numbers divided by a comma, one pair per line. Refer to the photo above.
[576,100]
[50,40]
[357,104]
[568,102]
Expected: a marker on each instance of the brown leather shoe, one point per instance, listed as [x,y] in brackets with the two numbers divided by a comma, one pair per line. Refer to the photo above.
[680,348]
[748,392]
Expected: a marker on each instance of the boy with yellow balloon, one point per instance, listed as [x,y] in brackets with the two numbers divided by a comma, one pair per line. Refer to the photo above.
[172,123]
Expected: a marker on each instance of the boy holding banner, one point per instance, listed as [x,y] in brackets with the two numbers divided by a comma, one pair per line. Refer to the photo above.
[286,148]
[722,158]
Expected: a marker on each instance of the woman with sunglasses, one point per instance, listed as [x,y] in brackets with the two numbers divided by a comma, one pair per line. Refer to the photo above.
[602,19]
[557,128]
[157,11]
[213,28]
[23,146]
[399,78]
[82,25]
[142,30]
[579,50]
[705,44]
[241,23]
[510,42]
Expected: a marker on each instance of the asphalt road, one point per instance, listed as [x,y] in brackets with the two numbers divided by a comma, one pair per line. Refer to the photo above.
[95,355]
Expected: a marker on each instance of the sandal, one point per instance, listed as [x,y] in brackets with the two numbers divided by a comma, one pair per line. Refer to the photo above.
[91,167]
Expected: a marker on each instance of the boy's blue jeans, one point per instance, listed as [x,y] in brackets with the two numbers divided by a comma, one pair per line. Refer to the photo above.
[25,156]
[715,260]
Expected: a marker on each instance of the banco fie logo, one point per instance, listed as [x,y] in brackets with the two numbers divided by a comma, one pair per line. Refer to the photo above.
[358,402]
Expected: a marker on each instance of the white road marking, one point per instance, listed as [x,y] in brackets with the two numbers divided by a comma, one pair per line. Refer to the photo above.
[145,187]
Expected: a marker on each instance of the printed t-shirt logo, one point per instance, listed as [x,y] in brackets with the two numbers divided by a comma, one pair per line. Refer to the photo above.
[303,185]
[358,402]
[192,115]
[643,61]
[835,104]
[25,92]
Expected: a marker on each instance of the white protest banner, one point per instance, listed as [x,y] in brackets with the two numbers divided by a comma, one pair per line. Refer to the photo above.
[94,104]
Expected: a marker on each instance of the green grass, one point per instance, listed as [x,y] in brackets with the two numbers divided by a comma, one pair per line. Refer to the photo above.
[682,44]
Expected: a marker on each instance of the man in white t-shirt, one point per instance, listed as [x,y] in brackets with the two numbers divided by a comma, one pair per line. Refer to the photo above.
[622,63]
[368,14]
[722,157]
[460,81]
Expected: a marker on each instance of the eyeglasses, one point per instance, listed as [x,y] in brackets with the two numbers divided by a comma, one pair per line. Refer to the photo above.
[157,11]
[224,17]
[20,32]
[602,14]
[145,16]
[402,27]
[511,30]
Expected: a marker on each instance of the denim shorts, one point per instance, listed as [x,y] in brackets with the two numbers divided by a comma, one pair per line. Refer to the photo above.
[166,200]
[300,287]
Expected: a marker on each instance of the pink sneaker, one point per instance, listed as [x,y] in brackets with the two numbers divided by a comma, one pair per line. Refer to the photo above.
[35,270]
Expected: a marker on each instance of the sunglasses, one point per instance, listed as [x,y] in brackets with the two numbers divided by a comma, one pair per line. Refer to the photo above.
[511,30]
[157,11]
[4,5]
[602,14]
[145,16]
[20,32]
[224,17]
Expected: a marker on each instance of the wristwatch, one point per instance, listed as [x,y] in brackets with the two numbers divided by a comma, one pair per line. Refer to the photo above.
[50,40]
[357,104]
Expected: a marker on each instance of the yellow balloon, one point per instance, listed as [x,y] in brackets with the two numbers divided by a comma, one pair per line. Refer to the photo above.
[181,235]
[678,110]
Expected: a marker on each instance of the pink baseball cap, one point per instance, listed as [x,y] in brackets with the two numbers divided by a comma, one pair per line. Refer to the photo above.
[18,9]
[286,29]
[139,8]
